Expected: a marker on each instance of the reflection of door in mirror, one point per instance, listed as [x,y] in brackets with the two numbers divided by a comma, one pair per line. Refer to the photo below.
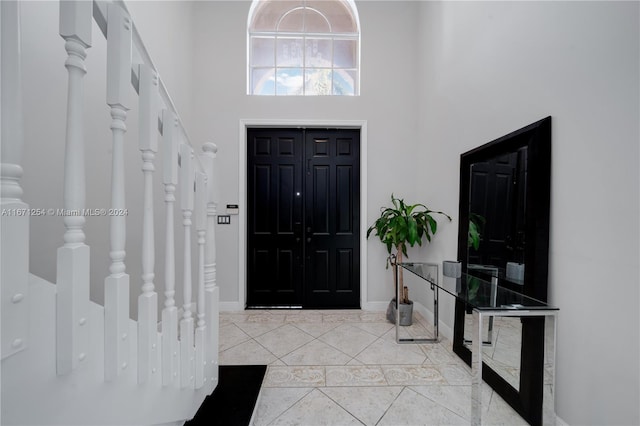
[497,204]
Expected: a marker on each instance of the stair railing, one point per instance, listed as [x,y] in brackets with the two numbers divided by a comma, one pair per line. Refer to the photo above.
[189,350]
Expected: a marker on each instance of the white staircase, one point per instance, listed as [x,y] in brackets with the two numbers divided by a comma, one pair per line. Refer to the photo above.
[83,397]
[65,359]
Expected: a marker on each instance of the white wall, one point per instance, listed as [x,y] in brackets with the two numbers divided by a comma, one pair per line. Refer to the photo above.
[166,29]
[492,67]
[389,103]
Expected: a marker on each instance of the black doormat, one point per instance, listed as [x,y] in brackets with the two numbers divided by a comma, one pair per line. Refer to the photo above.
[233,401]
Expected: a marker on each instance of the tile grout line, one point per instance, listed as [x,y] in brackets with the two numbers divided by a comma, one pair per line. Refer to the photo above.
[344,408]
[391,405]
[240,343]
[290,407]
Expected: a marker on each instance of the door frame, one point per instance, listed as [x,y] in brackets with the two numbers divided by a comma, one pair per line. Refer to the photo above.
[242,192]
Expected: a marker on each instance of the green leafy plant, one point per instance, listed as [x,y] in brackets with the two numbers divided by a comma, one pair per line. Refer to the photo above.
[476,225]
[400,225]
[473,285]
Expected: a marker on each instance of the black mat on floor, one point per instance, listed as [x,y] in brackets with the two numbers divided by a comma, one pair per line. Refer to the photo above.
[232,402]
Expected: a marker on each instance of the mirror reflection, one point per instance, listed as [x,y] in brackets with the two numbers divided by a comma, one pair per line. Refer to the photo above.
[497,207]
[501,342]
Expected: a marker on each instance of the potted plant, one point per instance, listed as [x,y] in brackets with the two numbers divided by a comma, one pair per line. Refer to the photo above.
[396,227]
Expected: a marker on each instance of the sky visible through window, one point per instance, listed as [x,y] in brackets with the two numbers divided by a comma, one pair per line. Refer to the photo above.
[303,48]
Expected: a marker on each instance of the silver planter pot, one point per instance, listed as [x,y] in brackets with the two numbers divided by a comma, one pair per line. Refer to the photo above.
[406,312]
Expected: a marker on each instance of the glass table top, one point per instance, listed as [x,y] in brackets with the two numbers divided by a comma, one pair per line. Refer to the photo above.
[486,272]
[479,293]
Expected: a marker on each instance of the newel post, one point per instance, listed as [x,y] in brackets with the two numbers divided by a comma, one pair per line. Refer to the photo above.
[116,310]
[14,220]
[170,311]
[72,281]
[212,292]
[148,299]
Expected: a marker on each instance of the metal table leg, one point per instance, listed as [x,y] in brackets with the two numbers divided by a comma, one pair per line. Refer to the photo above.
[476,369]
[549,384]
[436,337]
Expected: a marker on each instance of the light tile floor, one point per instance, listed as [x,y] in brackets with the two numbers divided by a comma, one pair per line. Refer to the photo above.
[344,368]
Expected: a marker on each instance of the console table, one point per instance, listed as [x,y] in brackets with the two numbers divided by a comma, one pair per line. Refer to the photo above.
[488,300]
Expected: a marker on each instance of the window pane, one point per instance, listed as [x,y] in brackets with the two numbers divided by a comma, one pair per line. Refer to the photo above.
[262,52]
[345,53]
[267,14]
[343,24]
[318,53]
[344,82]
[317,82]
[289,81]
[263,81]
[338,13]
[315,22]
[289,52]
[293,21]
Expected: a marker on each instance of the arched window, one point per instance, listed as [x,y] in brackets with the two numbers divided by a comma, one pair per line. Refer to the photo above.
[303,47]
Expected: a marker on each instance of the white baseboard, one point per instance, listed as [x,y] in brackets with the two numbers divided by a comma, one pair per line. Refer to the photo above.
[366,306]
[231,306]
[375,306]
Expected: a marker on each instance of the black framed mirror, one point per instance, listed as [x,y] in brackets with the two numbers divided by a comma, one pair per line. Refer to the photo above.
[503,235]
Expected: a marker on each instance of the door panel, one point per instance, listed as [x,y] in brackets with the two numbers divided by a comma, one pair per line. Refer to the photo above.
[303,218]
[344,195]
[274,245]
[332,219]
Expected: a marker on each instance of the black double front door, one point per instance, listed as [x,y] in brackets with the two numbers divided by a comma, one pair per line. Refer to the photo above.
[303,195]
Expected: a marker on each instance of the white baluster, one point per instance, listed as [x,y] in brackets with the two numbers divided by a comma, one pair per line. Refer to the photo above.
[148,300]
[201,228]
[170,311]
[116,310]
[212,292]
[72,282]
[14,220]
[186,323]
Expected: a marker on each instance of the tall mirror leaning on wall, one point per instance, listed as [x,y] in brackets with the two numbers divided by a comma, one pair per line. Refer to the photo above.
[503,236]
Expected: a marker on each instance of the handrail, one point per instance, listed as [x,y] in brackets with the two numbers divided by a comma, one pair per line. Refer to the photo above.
[140,50]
